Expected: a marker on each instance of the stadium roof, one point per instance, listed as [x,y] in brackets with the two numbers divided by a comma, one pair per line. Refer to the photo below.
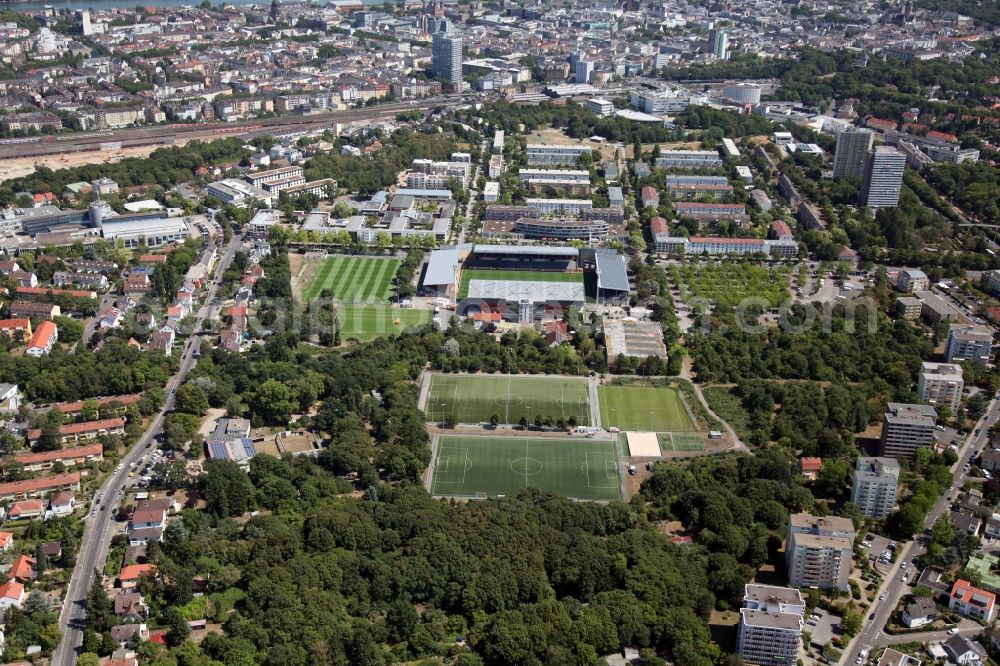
[441,267]
[514,291]
[537,250]
[611,272]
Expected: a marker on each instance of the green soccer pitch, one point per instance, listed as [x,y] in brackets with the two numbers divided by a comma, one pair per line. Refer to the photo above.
[475,398]
[491,466]
[644,409]
[354,279]
[366,322]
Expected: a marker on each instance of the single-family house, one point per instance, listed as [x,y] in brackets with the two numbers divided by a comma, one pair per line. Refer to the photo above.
[922,611]
[23,569]
[27,509]
[130,574]
[131,606]
[964,651]
[809,467]
[971,601]
[6,541]
[11,594]
[61,504]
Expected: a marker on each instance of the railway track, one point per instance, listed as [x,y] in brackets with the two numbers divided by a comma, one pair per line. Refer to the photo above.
[169,134]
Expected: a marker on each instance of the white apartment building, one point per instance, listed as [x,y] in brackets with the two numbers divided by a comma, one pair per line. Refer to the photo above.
[560,206]
[941,384]
[770,631]
[544,154]
[876,481]
[906,428]
[969,343]
[910,280]
[819,551]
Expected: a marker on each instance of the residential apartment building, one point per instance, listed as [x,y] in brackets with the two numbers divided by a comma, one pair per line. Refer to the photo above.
[447,58]
[43,339]
[818,551]
[688,159]
[711,211]
[689,187]
[969,343]
[910,280]
[560,206]
[876,481]
[40,486]
[565,155]
[882,178]
[715,245]
[905,428]
[264,178]
[853,145]
[941,384]
[80,432]
[972,601]
[770,631]
[45,460]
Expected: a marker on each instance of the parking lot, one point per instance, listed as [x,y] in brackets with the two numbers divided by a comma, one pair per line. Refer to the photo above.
[823,629]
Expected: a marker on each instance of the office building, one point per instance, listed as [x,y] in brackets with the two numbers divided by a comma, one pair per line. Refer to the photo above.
[446,58]
[875,483]
[882,178]
[742,93]
[969,343]
[819,551]
[770,631]
[718,43]
[905,428]
[853,144]
[941,384]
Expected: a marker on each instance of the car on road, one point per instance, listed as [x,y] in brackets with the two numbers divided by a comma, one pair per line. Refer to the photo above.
[882,597]
[953,631]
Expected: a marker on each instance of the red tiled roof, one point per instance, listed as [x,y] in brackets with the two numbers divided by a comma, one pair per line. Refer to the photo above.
[74,407]
[42,337]
[31,458]
[781,228]
[82,428]
[134,571]
[808,464]
[40,483]
[47,291]
[658,225]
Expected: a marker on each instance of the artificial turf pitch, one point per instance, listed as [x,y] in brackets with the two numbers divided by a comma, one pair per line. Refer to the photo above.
[491,466]
[354,279]
[476,398]
[644,409]
[366,322]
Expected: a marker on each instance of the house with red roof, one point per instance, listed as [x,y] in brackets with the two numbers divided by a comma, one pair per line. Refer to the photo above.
[26,509]
[809,467]
[970,601]
[23,569]
[43,339]
[650,197]
[6,541]
[81,432]
[130,574]
[40,486]
[11,594]
[18,329]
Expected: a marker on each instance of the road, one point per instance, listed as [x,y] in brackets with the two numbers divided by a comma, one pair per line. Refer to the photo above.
[893,587]
[166,134]
[99,527]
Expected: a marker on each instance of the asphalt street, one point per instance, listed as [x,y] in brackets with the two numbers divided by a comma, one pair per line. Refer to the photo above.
[893,585]
[99,527]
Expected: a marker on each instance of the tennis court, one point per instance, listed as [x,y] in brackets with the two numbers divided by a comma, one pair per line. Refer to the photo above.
[644,409]
[476,398]
[354,279]
[496,466]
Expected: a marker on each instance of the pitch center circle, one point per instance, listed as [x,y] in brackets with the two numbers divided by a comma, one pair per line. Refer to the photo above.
[526,466]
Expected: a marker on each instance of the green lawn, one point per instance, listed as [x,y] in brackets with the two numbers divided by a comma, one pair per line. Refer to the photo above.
[366,322]
[475,398]
[354,279]
[523,276]
[493,466]
[644,408]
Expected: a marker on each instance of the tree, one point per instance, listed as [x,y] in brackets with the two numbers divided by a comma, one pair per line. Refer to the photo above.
[177,626]
[88,659]
[851,623]
[191,399]
[100,607]
[272,402]
[51,437]
[495,420]
[226,488]
[178,429]
[833,476]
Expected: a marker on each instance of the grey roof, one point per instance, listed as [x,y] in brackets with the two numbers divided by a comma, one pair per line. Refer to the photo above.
[611,272]
[539,250]
[441,267]
[518,290]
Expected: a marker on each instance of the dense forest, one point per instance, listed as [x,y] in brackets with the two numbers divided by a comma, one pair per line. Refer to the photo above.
[320,578]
